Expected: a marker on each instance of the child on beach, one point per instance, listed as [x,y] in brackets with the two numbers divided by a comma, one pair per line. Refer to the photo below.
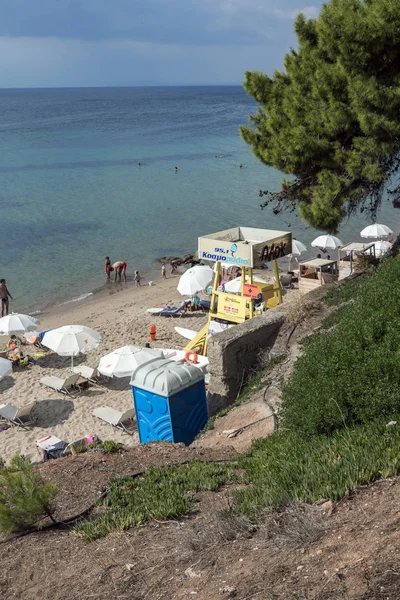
[163,272]
[137,278]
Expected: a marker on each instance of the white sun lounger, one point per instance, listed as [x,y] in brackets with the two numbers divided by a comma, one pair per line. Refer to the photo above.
[117,419]
[63,386]
[50,442]
[18,416]
[88,373]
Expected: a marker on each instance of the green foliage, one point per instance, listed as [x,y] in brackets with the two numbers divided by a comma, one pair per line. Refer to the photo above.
[110,446]
[24,498]
[351,373]
[161,493]
[287,467]
[331,119]
[348,290]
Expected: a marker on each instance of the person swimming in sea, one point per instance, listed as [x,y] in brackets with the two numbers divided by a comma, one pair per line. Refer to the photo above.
[176,169]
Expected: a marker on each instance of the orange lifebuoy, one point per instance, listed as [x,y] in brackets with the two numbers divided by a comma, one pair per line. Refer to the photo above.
[191,357]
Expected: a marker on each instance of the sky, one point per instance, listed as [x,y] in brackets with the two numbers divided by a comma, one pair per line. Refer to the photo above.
[66,43]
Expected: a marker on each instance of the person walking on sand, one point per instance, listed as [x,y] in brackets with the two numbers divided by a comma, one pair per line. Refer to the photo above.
[137,278]
[119,268]
[163,271]
[4,296]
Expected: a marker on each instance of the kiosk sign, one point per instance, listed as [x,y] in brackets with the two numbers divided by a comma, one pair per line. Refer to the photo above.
[227,252]
[245,246]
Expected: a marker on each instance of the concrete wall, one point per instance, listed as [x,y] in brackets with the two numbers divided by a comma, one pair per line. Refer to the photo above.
[235,352]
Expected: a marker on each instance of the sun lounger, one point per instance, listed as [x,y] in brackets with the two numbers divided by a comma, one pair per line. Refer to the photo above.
[63,386]
[173,311]
[53,447]
[18,416]
[117,419]
[35,338]
[88,373]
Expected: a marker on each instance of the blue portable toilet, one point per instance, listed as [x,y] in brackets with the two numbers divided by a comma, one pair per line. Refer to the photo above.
[170,401]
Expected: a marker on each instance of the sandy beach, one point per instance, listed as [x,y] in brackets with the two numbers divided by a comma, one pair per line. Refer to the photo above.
[123,320]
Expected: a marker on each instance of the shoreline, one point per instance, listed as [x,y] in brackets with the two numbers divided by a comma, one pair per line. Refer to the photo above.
[97,294]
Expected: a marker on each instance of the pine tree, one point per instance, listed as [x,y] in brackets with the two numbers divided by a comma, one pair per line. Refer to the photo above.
[24,498]
[331,119]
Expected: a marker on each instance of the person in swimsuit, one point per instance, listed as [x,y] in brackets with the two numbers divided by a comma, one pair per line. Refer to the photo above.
[4,296]
[119,269]
[137,278]
[163,272]
[108,268]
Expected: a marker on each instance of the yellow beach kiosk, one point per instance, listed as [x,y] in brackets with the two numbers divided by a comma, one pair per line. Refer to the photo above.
[247,248]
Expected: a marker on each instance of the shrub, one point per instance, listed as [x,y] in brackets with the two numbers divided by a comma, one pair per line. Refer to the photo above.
[351,373]
[110,446]
[24,498]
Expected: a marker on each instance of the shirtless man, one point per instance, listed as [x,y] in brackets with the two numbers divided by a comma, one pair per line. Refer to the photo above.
[4,296]
[119,270]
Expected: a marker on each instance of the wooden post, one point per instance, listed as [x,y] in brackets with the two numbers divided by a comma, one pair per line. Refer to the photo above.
[278,281]
[251,299]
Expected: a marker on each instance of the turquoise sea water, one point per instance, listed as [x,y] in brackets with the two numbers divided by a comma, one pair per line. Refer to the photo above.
[72,192]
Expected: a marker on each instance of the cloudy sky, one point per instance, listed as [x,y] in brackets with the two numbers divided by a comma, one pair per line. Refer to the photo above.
[48,43]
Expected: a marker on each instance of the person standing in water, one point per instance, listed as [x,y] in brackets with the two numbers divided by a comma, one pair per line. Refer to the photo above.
[4,296]
[119,268]
[108,268]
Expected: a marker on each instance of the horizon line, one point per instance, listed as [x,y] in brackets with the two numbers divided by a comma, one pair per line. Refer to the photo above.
[149,85]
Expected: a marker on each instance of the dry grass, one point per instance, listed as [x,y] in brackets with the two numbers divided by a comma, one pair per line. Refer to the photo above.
[300,308]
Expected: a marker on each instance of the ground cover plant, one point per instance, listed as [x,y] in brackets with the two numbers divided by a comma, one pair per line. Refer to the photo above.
[350,374]
[287,467]
[161,492]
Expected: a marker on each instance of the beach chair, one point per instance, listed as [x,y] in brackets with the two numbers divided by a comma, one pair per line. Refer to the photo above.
[90,374]
[173,311]
[205,305]
[35,338]
[63,386]
[21,416]
[119,420]
[53,447]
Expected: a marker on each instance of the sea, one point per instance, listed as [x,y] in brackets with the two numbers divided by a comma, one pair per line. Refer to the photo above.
[72,190]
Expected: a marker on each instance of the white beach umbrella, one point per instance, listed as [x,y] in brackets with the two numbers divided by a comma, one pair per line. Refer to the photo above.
[375,231]
[124,361]
[195,279]
[72,340]
[17,323]
[381,247]
[235,286]
[330,242]
[5,367]
[298,248]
